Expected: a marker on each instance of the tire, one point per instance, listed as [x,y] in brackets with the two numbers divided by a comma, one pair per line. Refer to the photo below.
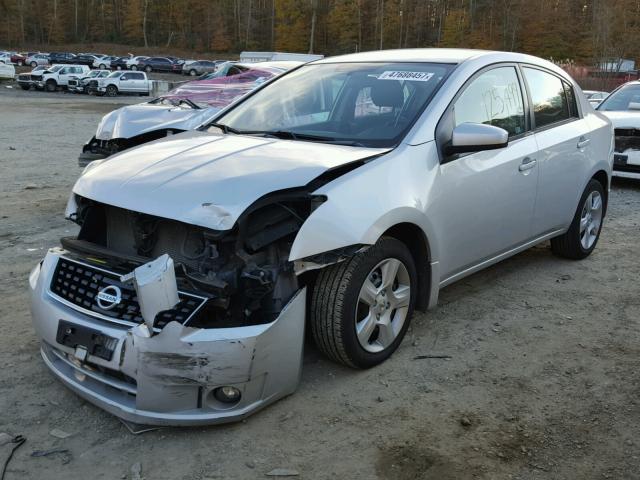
[148,69]
[134,67]
[111,91]
[51,86]
[338,308]
[119,67]
[24,87]
[34,64]
[20,63]
[192,72]
[102,66]
[583,234]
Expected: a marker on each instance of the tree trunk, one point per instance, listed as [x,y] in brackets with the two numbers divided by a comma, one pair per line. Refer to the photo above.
[314,17]
[144,23]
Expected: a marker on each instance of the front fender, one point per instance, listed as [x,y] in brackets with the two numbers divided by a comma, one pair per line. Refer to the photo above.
[369,200]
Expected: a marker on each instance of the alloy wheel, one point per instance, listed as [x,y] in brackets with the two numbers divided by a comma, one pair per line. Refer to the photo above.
[590,220]
[383,305]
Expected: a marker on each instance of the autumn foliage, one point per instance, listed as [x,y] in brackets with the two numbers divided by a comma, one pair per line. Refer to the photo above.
[583,31]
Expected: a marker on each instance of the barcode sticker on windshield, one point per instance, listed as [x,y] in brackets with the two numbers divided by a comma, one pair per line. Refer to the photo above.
[413,76]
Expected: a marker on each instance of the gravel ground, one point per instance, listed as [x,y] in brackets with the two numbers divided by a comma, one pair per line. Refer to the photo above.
[541,379]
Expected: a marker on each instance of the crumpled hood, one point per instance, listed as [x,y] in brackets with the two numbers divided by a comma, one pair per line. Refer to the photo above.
[209,179]
[127,122]
[624,119]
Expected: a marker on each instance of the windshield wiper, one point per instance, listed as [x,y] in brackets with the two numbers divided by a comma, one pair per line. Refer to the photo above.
[225,128]
[312,138]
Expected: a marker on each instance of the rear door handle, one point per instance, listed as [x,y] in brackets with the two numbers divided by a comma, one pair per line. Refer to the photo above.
[583,142]
[527,164]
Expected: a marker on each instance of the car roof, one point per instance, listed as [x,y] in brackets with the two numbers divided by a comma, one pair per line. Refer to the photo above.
[433,55]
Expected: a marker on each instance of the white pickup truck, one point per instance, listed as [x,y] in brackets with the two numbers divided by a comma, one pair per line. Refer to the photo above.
[59,76]
[123,82]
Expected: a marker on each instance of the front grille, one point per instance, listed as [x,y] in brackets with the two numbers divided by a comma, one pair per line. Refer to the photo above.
[24,78]
[78,284]
[36,78]
[73,82]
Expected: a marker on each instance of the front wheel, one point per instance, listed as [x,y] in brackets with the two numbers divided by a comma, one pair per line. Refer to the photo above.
[148,69]
[583,234]
[192,72]
[111,91]
[134,67]
[51,86]
[361,307]
[34,64]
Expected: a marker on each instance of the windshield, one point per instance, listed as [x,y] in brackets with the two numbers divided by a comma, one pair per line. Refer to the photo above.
[368,104]
[115,74]
[55,68]
[626,97]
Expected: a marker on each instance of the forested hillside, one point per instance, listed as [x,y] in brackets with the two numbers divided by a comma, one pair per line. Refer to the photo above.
[584,31]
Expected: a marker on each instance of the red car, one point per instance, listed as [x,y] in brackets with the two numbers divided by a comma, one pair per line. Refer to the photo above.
[18,58]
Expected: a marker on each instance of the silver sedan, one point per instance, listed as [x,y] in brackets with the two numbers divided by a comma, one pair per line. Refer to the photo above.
[341,196]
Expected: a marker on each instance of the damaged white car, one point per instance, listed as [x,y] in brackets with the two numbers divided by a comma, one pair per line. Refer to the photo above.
[341,196]
[622,107]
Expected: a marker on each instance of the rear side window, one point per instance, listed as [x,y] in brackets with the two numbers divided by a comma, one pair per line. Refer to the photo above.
[548,96]
[493,98]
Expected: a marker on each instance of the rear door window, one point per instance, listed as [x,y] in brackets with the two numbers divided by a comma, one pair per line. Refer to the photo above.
[549,98]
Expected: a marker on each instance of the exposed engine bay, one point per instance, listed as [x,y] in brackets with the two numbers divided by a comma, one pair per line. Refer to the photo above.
[243,273]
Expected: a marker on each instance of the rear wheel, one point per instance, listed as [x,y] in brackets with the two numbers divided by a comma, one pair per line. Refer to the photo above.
[361,308]
[583,234]
[192,72]
[111,91]
[103,66]
[148,69]
[134,67]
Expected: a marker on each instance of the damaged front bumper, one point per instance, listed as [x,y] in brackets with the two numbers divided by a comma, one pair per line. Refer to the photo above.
[626,158]
[171,377]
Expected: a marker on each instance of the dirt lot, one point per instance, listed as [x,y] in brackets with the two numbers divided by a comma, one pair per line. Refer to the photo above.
[542,380]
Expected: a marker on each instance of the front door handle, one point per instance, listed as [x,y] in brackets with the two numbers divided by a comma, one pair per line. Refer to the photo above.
[527,164]
[583,142]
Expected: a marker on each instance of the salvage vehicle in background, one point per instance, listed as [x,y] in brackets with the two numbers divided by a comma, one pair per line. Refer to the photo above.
[121,82]
[186,107]
[37,60]
[199,67]
[81,84]
[61,58]
[200,258]
[132,62]
[18,58]
[622,107]
[103,62]
[595,96]
[159,64]
[58,76]
[5,57]
[85,59]
[27,80]
[7,71]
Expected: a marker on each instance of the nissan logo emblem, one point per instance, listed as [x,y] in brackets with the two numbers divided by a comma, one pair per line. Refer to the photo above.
[108,297]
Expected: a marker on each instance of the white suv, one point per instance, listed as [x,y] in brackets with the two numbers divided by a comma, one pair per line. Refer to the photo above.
[59,76]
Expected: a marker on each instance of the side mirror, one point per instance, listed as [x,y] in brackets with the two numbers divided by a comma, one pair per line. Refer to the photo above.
[476,137]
